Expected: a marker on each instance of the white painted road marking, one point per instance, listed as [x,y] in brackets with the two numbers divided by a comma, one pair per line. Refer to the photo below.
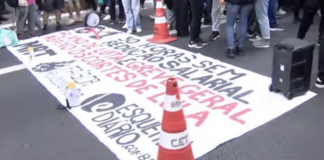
[12,69]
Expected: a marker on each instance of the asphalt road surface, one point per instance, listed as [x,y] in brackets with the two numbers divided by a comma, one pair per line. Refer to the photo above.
[32,129]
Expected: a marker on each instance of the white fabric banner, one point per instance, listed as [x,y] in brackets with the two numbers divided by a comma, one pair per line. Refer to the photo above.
[121,86]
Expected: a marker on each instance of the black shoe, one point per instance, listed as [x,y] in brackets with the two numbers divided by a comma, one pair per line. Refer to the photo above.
[193,44]
[214,36]
[238,51]
[319,83]
[202,42]
[45,27]
[112,22]
[3,18]
[296,20]
[276,27]
[59,27]
[230,53]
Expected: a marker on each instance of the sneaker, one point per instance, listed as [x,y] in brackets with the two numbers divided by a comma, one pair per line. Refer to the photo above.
[262,43]
[238,50]
[138,30]
[129,31]
[202,42]
[276,28]
[124,26]
[32,34]
[193,44]
[230,53]
[112,22]
[296,20]
[152,16]
[70,21]
[121,21]
[45,27]
[255,38]
[214,36]
[20,36]
[319,83]
[281,12]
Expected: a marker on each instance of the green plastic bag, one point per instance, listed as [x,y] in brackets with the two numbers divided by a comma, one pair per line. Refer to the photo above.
[8,38]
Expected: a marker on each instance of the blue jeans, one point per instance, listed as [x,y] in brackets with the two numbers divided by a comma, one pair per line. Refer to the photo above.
[261,11]
[131,8]
[272,12]
[242,11]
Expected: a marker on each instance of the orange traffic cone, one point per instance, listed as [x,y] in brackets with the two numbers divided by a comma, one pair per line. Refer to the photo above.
[174,138]
[161,32]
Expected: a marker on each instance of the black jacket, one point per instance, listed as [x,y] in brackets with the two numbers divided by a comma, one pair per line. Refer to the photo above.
[240,2]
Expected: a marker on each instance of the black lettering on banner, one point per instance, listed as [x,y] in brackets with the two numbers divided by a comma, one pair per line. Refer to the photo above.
[122,62]
[169,65]
[182,141]
[128,138]
[106,102]
[131,40]
[232,72]
[38,47]
[147,45]
[203,64]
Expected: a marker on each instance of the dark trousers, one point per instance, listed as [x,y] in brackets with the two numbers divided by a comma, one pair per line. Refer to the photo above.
[181,10]
[142,3]
[310,9]
[297,6]
[253,24]
[272,12]
[112,10]
[2,6]
[92,4]
[197,9]
[321,58]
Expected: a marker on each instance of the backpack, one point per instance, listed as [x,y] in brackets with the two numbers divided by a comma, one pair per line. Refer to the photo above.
[13,3]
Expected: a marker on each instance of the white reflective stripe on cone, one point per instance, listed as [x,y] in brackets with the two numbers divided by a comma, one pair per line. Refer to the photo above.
[174,141]
[159,5]
[160,20]
[172,104]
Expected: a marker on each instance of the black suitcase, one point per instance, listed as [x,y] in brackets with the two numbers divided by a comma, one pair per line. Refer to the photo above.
[292,67]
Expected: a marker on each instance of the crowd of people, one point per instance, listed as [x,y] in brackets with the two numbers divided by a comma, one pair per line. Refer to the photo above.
[254,19]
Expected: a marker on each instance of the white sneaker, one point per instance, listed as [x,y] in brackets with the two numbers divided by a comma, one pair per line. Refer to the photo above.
[319,83]
[138,30]
[129,31]
[70,21]
[281,12]
[124,26]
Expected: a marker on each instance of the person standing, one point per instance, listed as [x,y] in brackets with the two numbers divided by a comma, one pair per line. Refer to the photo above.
[133,20]
[181,13]
[49,6]
[112,12]
[272,14]
[261,11]
[310,9]
[216,14]
[242,10]
[26,11]
[197,9]
[320,76]
[71,5]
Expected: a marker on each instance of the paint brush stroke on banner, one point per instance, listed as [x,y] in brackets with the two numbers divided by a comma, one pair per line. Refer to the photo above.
[121,83]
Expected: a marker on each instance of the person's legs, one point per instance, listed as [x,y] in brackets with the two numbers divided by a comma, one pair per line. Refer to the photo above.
[136,13]
[31,15]
[320,77]
[112,11]
[48,7]
[58,5]
[121,14]
[39,3]
[297,6]
[197,7]
[181,17]
[129,15]
[231,15]
[261,11]
[215,14]
[310,10]
[244,13]
[69,8]
[170,18]
[272,10]
[21,20]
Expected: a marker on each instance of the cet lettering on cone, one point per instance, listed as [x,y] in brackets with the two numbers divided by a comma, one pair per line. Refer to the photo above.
[161,32]
[174,138]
